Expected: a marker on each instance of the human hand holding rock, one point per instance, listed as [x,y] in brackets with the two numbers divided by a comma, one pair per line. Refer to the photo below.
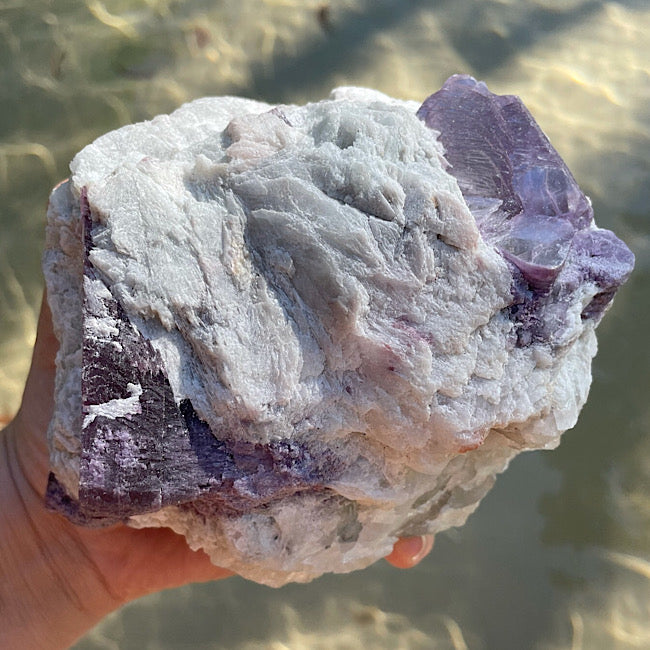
[307,318]
[57,580]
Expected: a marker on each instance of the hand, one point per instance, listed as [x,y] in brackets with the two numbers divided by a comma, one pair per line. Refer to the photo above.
[57,579]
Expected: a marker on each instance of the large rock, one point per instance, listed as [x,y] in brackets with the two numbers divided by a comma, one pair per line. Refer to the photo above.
[294,334]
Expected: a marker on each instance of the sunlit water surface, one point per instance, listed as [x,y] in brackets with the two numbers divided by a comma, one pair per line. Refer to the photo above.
[558,554]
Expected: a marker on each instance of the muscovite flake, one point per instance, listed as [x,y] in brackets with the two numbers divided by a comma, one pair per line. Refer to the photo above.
[295,333]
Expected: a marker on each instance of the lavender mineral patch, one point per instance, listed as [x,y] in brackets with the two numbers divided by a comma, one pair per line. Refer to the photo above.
[293,334]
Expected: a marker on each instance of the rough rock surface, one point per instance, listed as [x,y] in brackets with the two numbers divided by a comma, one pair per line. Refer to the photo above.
[293,334]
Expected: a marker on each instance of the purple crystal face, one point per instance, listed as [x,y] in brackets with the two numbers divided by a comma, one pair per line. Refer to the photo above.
[527,204]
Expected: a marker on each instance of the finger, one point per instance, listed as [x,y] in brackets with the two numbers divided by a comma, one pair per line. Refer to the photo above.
[38,398]
[136,562]
[408,551]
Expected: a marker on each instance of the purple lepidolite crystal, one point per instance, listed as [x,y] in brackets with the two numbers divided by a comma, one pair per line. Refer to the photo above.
[527,204]
[293,334]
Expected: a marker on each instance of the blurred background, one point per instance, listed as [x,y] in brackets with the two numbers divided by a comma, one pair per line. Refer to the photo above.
[558,554]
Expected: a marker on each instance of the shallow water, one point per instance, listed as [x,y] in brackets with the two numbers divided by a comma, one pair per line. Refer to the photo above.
[558,554]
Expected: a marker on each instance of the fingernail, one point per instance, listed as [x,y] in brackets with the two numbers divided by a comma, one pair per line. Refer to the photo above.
[415,548]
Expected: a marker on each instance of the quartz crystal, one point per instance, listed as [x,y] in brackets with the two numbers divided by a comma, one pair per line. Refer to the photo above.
[294,334]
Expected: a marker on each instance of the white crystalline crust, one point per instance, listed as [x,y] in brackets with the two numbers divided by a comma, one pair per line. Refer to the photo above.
[312,273]
[63,269]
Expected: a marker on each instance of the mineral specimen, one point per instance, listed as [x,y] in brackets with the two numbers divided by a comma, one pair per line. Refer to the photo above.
[293,334]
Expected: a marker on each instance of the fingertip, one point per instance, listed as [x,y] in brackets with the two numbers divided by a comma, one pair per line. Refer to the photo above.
[409,551]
